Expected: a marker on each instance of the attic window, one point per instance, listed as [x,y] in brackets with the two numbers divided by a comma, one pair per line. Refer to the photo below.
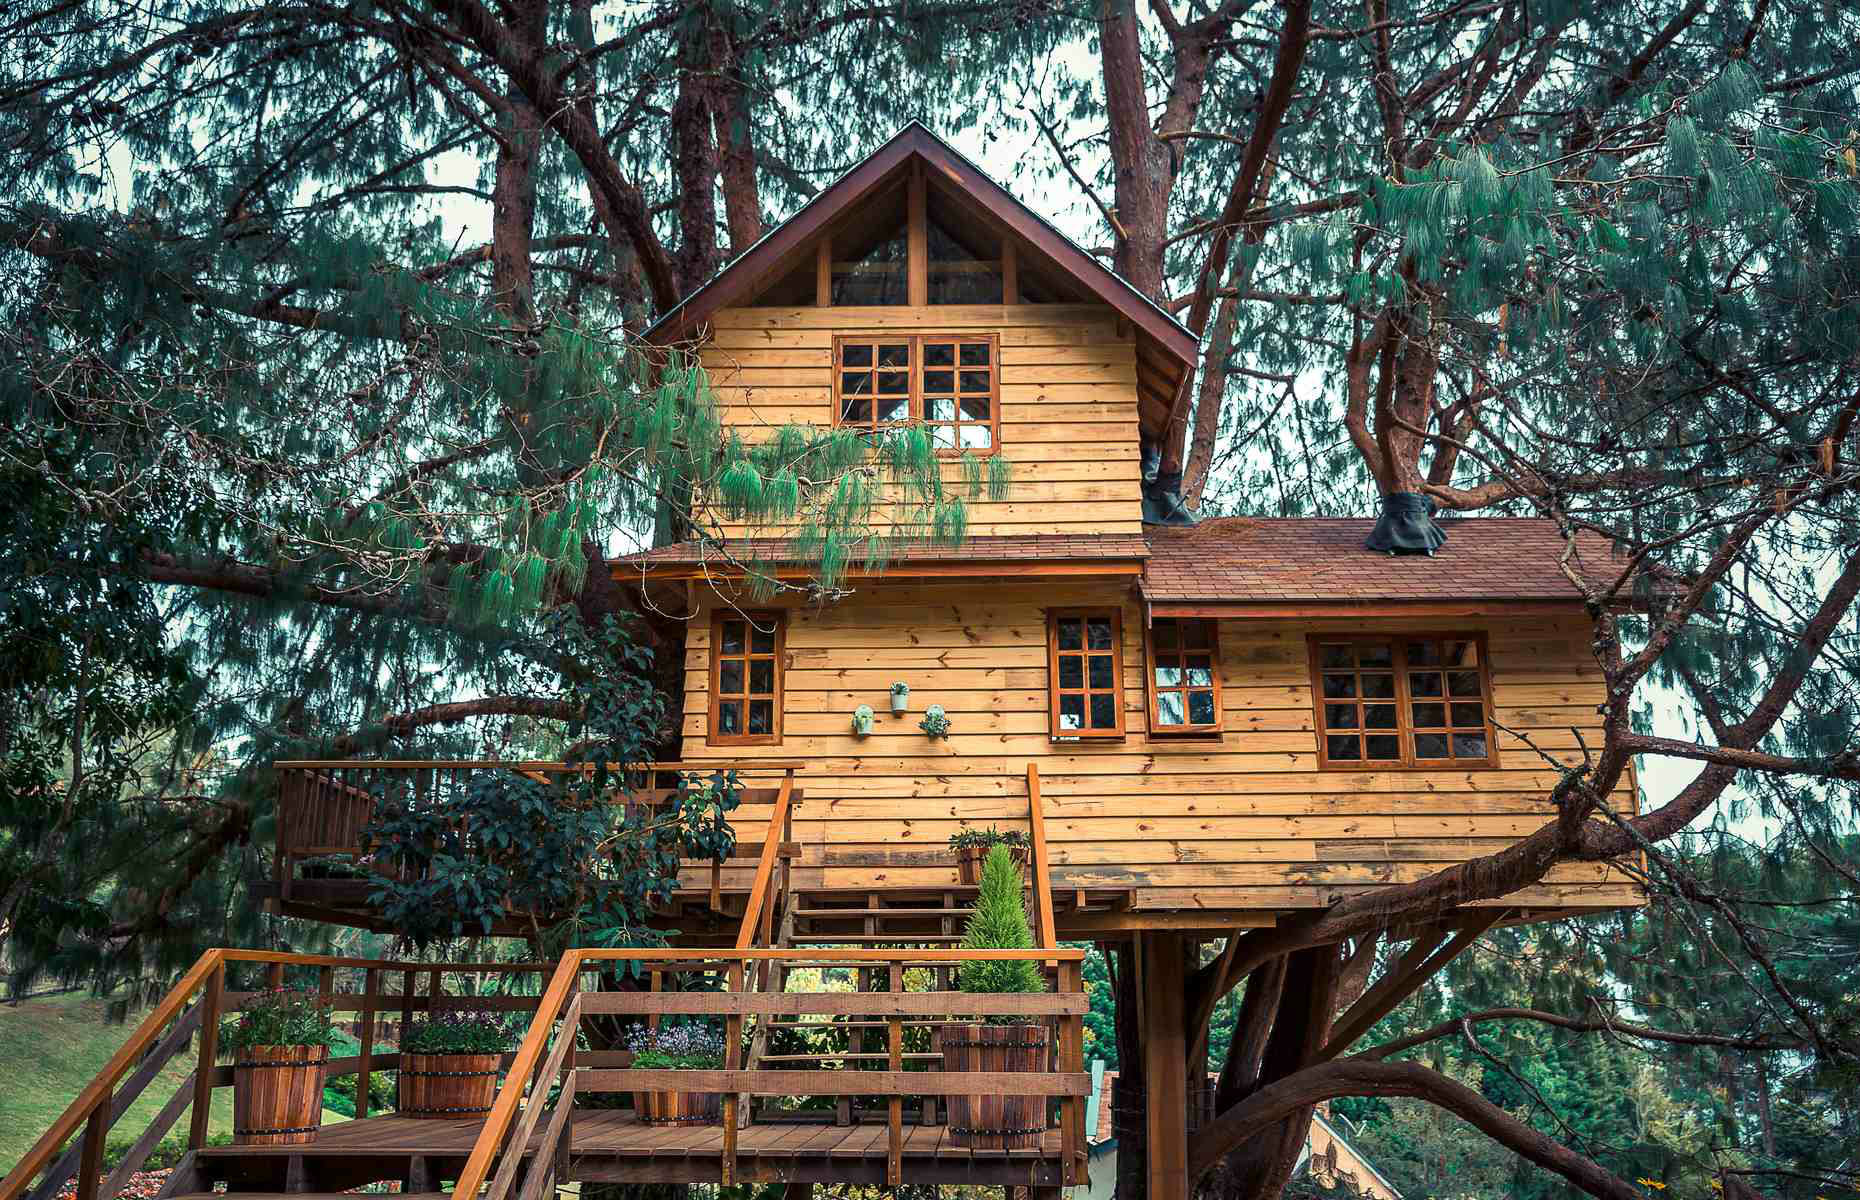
[963,271]
[876,276]
[949,382]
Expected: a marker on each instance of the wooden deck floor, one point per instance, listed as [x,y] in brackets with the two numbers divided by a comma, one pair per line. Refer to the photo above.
[610,1146]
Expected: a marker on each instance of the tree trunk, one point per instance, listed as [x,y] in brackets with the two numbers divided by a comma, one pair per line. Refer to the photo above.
[1260,1167]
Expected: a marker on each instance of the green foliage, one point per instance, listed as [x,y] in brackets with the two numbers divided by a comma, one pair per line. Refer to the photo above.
[563,861]
[280,1017]
[999,922]
[964,839]
[684,1046]
[457,1033]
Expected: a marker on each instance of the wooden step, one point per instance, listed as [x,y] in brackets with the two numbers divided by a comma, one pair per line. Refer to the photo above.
[909,1023]
[919,940]
[817,913]
[771,1058]
[235,1194]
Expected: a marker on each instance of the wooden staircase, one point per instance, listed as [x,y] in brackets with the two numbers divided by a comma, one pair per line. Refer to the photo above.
[782,982]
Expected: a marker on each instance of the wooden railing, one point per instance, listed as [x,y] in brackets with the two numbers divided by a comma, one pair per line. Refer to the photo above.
[547,1058]
[325,805]
[195,1005]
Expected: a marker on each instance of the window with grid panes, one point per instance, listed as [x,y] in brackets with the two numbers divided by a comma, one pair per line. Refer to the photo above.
[746,678]
[1185,682]
[1084,650]
[1410,701]
[950,383]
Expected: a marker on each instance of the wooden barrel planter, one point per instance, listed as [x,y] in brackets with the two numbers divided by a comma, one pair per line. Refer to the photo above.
[678,1108]
[995,1121]
[447,1087]
[969,863]
[278,1094]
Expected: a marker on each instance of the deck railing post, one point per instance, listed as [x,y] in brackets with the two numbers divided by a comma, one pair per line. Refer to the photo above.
[1071,1058]
[371,987]
[732,1061]
[212,997]
[894,1104]
[90,1169]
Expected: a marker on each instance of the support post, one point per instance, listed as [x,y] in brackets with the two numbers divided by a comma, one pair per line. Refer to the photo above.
[732,1061]
[211,999]
[894,1105]
[90,1163]
[1161,972]
[371,989]
[917,241]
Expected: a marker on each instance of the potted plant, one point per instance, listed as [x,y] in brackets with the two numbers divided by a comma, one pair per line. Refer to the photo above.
[900,698]
[972,845]
[279,1045]
[449,1064]
[687,1047]
[998,1043]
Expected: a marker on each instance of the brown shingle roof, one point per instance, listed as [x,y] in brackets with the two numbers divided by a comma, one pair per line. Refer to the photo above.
[1318,559]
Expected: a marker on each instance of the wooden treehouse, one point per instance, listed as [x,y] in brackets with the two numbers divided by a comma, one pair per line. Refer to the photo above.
[1200,729]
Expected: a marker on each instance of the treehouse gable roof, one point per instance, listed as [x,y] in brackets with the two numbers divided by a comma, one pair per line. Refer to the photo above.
[1048,260]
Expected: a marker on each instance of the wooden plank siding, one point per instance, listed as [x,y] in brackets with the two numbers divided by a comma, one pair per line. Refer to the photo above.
[1245,820]
[1068,385]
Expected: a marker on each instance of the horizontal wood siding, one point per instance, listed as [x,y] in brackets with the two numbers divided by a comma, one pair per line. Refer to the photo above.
[1243,821]
[1068,400]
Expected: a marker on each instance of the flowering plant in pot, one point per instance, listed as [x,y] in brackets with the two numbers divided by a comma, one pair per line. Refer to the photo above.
[997,1043]
[688,1047]
[279,1045]
[972,845]
[449,1064]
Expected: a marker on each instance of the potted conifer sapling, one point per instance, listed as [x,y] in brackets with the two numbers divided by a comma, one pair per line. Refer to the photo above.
[449,1064]
[997,1043]
[279,1045]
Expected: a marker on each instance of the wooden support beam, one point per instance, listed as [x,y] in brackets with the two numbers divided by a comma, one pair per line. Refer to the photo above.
[1161,972]
[823,273]
[1010,271]
[917,241]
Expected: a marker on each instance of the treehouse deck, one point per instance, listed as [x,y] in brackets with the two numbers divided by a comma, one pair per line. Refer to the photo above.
[612,1146]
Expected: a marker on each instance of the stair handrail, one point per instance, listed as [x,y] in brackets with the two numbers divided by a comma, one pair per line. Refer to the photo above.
[753,914]
[523,1076]
[146,1050]
[90,1107]
[1042,877]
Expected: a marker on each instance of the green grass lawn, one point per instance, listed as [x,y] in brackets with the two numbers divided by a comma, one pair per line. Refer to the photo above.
[51,1047]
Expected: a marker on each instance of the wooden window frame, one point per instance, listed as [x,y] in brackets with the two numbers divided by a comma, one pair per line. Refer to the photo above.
[779,619]
[918,416]
[1404,713]
[1054,691]
[1152,690]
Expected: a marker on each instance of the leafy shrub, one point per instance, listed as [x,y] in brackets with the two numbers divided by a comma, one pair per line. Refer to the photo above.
[999,922]
[457,1033]
[675,1047]
[967,838]
[280,1017]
